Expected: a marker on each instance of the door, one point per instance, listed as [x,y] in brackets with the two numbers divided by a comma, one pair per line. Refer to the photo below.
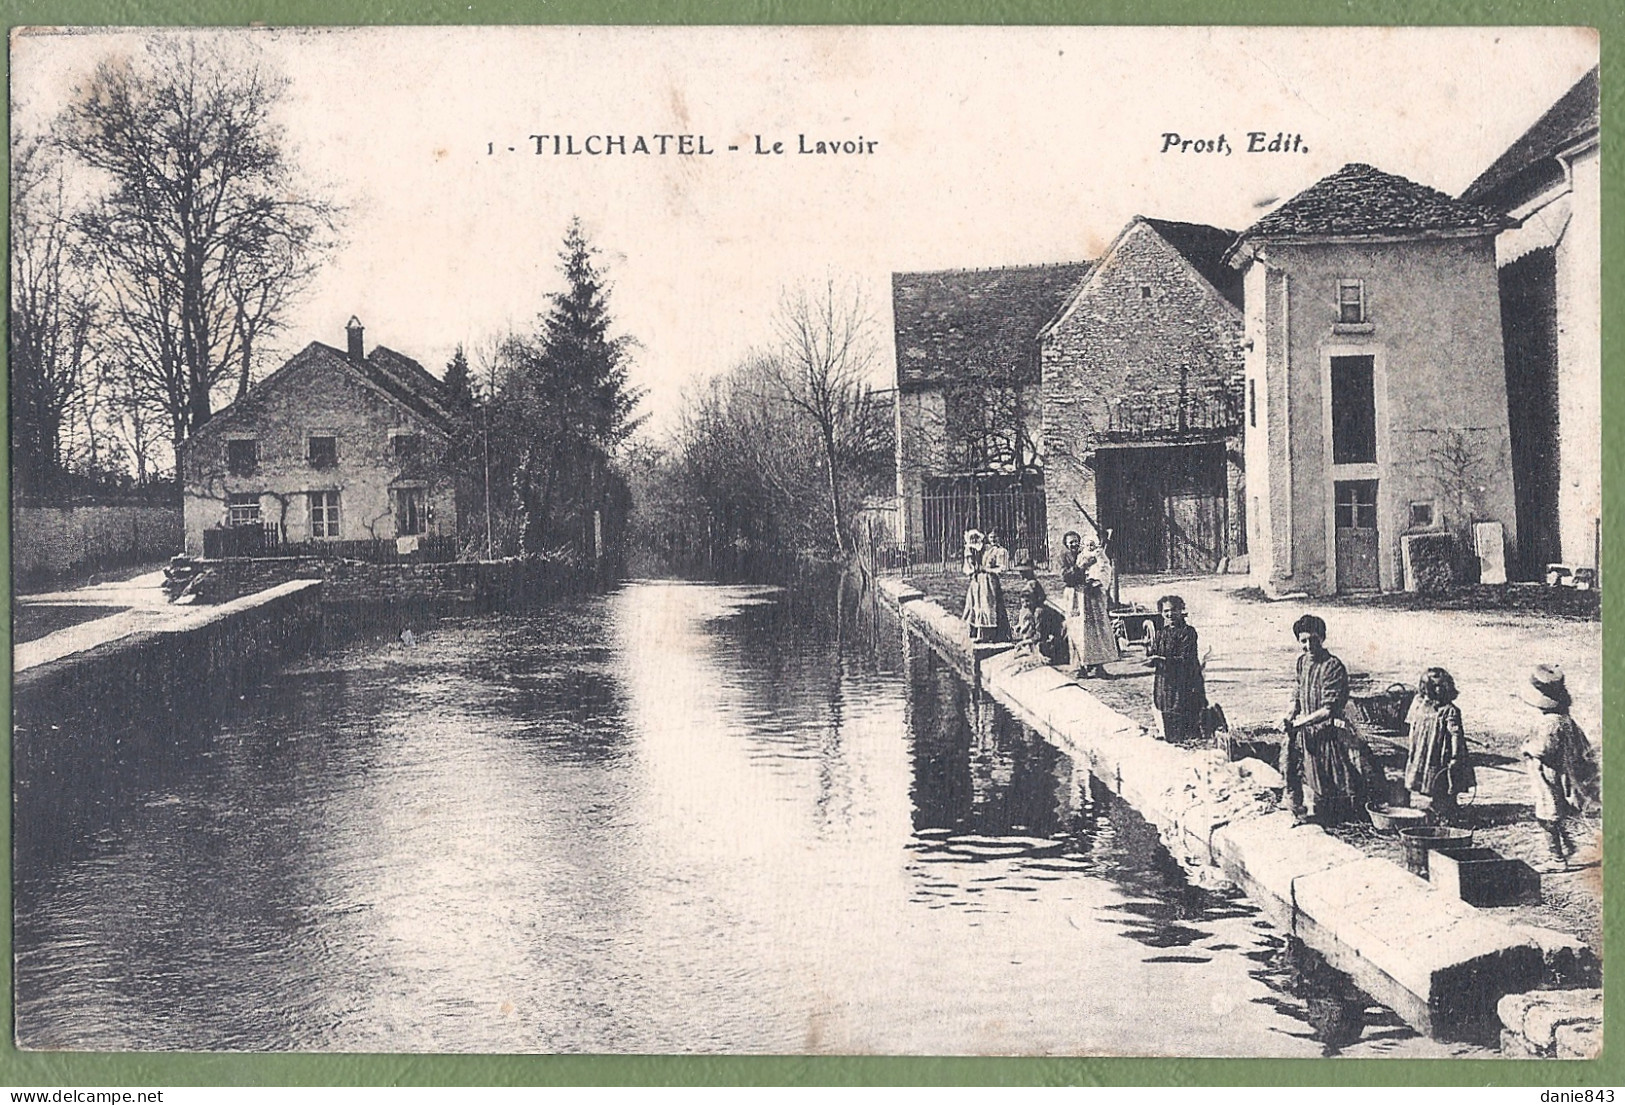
[1356,506]
[1196,507]
[411,519]
[1165,505]
[1140,537]
[1195,522]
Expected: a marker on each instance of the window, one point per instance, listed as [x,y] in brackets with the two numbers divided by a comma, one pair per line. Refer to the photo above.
[1354,411]
[324,513]
[323,451]
[1351,301]
[242,456]
[1252,403]
[1357,504]
[411,512]
[1421,516]
[1145,291]
[406,446]
[243,509]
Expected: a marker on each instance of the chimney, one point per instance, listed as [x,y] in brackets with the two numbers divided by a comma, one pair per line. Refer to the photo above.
[353,330]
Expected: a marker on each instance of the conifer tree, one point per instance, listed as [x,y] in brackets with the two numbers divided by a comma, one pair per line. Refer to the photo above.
[564,408]
[459,383]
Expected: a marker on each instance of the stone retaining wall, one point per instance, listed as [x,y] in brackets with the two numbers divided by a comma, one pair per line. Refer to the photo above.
[210,654]
[117,718]
[1441,964]
[451,586]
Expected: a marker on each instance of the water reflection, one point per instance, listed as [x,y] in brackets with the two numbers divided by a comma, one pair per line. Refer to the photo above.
[998,811]
[680,818]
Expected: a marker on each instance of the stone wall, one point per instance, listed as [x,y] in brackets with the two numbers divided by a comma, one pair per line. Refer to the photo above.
[454,586]
[1440,963]
[1116,347]
[920,427]
[50,540]
[1579,364]
[160,673]
[118,717]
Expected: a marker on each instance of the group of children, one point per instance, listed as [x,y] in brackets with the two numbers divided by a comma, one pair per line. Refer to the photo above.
[1328,769]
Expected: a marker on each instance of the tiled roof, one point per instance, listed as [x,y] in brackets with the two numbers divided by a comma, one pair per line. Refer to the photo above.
[410,380]
[1358,200]
[986,319]
[392,372]
[1573,117]
[1204,247]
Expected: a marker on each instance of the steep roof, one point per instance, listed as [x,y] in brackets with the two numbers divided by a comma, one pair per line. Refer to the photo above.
[411,382]
[391,373]
[1205,248]
[1575,116]
[987,318]
[1359,200]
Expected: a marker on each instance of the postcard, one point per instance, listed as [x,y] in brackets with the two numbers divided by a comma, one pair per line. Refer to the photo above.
[924,541]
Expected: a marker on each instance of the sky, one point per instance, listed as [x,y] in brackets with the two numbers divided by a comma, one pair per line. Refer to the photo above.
[992,146]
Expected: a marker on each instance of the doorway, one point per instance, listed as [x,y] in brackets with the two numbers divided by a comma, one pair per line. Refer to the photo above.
[1356,506]
[1166,506]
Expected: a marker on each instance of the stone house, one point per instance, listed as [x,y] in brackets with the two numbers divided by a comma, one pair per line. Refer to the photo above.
[334,445]
[1548,185]
[1142,385]
[1375,390]
[968,403]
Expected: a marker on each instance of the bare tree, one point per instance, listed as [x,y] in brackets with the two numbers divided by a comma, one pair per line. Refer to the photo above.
[52,316]
[117,406]
[1457,465]
[203,234]
[826,350]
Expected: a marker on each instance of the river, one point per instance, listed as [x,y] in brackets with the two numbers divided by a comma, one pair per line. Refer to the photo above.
[677,818]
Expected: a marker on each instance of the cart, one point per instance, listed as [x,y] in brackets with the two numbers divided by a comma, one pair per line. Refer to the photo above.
[1135,626]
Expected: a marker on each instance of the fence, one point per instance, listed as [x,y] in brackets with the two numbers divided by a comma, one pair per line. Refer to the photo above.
[266,540]
[1015,514]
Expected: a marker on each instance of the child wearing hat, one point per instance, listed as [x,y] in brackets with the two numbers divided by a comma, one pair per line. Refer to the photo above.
[1561,763]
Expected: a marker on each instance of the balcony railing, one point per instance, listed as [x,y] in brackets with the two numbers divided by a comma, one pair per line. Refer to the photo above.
[1206,412]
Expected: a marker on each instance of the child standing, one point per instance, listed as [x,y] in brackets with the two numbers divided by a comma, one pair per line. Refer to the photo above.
[1439,767]
[1561,763]
[1178,693]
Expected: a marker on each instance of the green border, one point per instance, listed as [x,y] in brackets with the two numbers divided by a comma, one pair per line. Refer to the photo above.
[60,1070]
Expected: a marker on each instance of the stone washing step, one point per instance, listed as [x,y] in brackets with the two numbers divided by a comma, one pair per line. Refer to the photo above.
[1438,962]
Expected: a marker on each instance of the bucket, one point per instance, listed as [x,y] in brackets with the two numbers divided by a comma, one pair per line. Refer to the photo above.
[1422,839]
[1390,819]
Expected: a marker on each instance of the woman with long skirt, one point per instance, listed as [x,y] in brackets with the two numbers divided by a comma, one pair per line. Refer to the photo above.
[984,594]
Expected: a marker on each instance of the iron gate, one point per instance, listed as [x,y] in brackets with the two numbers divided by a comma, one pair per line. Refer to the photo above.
[1014,513]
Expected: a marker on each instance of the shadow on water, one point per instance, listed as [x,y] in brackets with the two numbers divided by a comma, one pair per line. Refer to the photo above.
[987,789]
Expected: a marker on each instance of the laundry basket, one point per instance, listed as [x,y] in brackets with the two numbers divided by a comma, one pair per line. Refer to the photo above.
[1383,715]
